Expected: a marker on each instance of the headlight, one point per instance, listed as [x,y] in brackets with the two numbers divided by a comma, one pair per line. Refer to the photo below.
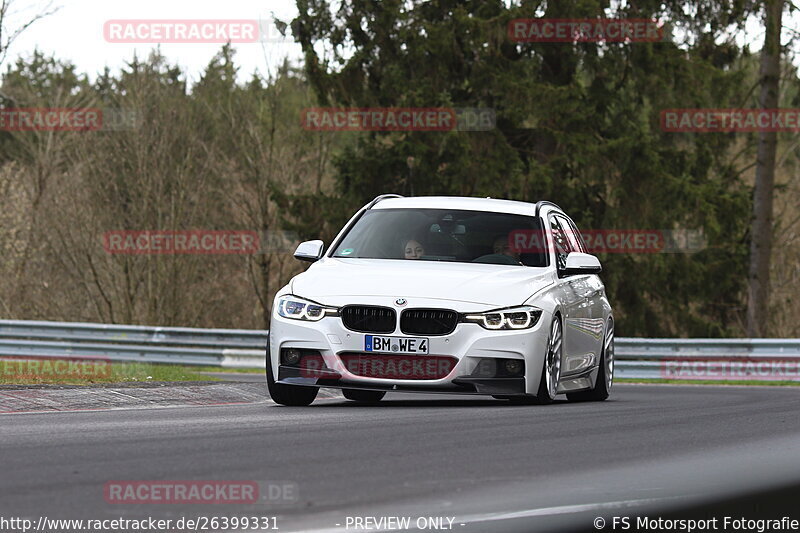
[301,309]
[512,318]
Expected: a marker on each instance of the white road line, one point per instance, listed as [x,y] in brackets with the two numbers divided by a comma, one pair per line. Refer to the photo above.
[563,509]
[528,513]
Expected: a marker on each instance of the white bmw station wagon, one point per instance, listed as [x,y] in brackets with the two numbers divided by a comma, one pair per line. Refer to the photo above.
[445,295]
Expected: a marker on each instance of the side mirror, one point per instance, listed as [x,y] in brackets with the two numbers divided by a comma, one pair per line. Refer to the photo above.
[309,251]
[580,263]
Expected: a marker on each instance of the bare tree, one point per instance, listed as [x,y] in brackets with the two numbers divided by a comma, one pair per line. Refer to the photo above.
[761,234]
[7,35]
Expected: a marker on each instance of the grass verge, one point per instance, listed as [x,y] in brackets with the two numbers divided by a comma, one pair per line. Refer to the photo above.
[75,372]
[749,382]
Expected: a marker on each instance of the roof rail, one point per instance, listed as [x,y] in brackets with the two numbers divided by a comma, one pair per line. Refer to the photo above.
[542,203]
[382,197]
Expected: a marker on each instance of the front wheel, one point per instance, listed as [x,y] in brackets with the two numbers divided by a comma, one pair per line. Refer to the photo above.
[551,370]
[364,396]
[605,373]
[293,395]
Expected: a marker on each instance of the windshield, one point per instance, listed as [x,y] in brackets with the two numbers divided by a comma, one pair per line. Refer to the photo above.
[442,235]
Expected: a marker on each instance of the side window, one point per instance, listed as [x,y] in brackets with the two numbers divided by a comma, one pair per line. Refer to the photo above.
[573,235]
[561,242]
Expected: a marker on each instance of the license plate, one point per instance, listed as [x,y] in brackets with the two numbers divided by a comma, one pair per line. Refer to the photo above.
[404,345]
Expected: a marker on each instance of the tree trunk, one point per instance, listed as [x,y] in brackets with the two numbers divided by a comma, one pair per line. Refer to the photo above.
[761,234]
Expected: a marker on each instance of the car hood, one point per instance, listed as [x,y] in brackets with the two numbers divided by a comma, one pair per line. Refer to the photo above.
[496,285]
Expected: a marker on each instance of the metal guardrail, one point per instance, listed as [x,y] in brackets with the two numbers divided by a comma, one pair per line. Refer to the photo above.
[91,332]
[188,346]
[708,359]
[666,348]
[635,357]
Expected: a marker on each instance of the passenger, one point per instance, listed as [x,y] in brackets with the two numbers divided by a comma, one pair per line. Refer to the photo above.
[413,249]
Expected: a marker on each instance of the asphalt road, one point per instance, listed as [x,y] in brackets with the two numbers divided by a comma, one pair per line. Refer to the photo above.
[484,463]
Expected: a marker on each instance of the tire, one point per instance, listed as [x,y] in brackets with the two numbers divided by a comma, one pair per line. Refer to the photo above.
[364,396]
[551,369]
[293,395]
[605,373]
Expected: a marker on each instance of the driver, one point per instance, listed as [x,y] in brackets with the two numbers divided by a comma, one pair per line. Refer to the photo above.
[501,246]
[503,253]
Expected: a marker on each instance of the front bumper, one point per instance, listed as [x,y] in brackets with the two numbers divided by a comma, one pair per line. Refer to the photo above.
[460,385]
[468,345]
